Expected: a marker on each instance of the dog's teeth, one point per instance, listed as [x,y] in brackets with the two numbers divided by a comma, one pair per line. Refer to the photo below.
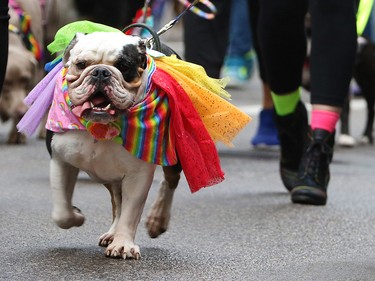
[107,107]
[91,104]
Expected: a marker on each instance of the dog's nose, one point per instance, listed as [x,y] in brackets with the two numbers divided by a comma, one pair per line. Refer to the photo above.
[101,73]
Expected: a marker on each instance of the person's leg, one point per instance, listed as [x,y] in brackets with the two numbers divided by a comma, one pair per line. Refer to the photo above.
[239,60]
[206,41]
[240,39]
[4,22]
[266,133]
[332,60]
[158,9]
[282,43]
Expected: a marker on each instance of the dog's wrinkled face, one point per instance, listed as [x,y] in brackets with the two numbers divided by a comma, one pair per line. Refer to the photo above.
[106,74]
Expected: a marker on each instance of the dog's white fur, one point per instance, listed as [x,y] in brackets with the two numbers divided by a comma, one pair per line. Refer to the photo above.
[127,178]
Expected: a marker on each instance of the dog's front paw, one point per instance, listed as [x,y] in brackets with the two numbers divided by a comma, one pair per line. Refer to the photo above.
[157,220]
[105,239]
[125,250]
[68,219]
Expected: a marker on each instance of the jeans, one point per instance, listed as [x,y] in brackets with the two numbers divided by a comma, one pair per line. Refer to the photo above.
[240,39]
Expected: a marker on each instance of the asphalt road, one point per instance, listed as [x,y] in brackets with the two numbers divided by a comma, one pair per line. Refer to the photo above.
[245,228]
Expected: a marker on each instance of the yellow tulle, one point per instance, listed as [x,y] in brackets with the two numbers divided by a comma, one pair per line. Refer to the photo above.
[222,120]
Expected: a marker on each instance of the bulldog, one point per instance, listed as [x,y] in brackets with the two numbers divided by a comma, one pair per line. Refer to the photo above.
[116,111]
[106,75]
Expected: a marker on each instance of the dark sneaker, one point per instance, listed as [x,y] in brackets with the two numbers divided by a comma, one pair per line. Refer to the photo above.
[292,129]
[313,175]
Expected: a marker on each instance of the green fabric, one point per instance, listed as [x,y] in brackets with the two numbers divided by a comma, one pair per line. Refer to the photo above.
[66,33]
[286,103]
[363,15]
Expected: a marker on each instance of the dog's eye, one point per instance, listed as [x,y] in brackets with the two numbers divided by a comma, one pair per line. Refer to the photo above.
[122,67]
[81,65]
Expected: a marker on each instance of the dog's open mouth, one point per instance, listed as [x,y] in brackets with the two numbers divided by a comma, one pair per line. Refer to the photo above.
[97,108]
[100,103]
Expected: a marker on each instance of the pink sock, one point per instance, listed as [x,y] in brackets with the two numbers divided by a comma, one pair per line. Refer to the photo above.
[322,119]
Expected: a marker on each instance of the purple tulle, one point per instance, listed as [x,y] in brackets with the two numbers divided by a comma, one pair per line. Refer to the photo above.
[39,99]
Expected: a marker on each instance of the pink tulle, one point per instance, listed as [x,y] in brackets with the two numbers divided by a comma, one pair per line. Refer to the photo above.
[39,100]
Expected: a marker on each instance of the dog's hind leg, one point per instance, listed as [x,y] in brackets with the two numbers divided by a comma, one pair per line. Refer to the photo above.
[344,117]
[344,138]
[115,192]
[160,213]
[370,100]
[63,177]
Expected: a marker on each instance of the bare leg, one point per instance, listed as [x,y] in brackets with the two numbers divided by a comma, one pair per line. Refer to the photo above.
[267,101]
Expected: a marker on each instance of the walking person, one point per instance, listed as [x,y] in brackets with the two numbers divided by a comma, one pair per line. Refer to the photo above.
[239,64]
[206,40]
[307,150]
[215,44]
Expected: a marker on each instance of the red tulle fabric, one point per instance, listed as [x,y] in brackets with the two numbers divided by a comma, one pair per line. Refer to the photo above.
[195,148]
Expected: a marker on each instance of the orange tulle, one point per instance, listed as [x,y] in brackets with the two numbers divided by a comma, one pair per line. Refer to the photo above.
[222,120]
[195,148]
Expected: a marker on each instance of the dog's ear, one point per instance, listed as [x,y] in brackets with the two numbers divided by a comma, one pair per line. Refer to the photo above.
[72,43]
[142,58]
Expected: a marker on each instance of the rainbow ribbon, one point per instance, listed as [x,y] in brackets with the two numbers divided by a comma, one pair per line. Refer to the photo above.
[206,15]
[28,37]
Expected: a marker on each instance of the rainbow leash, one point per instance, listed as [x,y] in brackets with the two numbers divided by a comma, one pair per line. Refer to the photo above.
[206,15]
[189,6]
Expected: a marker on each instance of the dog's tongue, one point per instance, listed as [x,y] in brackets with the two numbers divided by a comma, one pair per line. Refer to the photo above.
[98,100]
[79,109]
[100,103]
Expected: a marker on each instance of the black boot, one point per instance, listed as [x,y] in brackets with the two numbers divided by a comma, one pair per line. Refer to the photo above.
[292,130]
[313,175]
